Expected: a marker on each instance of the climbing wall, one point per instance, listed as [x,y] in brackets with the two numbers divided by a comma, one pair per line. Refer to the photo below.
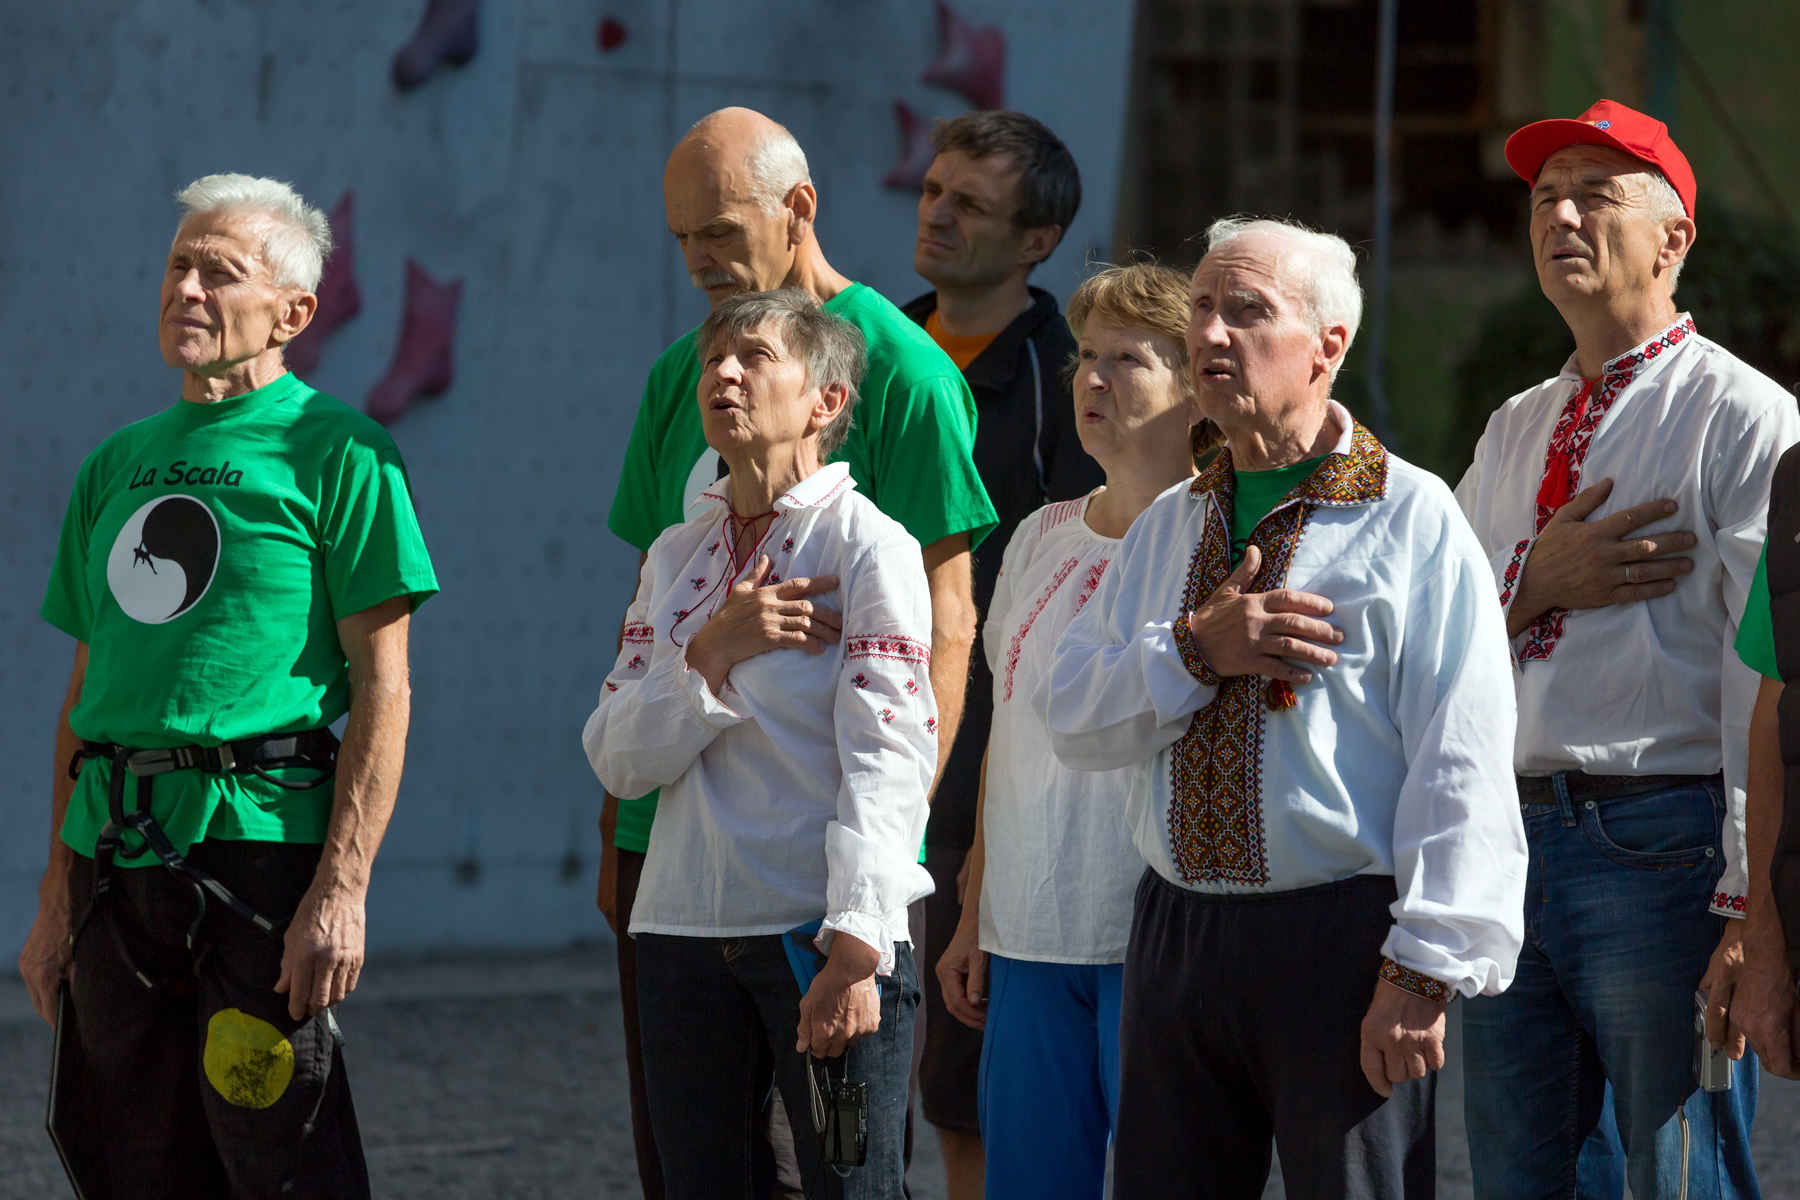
[504,280]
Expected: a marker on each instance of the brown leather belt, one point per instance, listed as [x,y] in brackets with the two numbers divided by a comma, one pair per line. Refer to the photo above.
[1541,789]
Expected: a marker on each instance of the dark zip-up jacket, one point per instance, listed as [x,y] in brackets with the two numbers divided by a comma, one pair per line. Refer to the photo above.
[1029,455]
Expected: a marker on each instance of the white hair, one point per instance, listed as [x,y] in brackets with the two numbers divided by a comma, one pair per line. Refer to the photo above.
[297,237]
[1328,290]
[1664,204]
[775,167]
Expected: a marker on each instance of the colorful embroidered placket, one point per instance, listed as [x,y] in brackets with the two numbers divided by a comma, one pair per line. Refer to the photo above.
[1215,809]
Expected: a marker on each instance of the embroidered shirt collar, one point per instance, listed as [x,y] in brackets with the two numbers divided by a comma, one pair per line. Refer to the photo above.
[1354,472]
[815,491]
[1628,363]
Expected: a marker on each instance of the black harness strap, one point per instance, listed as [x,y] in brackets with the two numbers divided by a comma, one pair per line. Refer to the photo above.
[315,748]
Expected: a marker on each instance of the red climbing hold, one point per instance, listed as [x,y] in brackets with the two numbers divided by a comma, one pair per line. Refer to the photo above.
[423,364]
[970,61]
[339,297]
[449,32]
[611,34]
[908,172]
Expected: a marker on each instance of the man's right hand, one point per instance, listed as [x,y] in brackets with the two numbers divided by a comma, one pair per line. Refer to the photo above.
[756,617]
[44,962]
[962,975]
[1263,633]
[1578,563]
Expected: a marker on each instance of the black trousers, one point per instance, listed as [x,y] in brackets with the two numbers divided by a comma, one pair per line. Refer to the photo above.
[202,1086]
[1241,1026]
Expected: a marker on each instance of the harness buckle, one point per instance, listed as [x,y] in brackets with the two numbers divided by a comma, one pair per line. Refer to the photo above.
[150,762]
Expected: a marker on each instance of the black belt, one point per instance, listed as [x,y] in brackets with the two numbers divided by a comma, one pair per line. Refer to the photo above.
[261,756]
[1541,789]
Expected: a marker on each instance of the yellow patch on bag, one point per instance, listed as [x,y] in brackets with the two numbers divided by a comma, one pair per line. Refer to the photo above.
[246,1059]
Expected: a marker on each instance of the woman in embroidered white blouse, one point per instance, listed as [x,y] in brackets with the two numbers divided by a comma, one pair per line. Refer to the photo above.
[1053,867]
[771,916]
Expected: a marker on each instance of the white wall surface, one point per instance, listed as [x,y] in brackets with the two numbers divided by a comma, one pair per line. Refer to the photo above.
[534,174]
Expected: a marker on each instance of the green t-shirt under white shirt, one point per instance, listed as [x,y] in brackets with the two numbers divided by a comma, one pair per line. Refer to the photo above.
[1256,494]
[206,556]
[910,450]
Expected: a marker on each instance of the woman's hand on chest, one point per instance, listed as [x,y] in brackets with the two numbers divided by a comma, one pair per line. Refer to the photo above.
[756,617]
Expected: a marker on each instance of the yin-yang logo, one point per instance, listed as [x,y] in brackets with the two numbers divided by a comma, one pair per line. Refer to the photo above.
[163,560]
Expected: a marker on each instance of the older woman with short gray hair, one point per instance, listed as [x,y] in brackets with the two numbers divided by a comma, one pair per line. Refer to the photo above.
[771,916]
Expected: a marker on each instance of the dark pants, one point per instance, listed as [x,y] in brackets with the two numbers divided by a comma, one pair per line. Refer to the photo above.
[203,1085]
[1617,936]
[1241,1023]
[950,1068]
[630,870]
[717,1018]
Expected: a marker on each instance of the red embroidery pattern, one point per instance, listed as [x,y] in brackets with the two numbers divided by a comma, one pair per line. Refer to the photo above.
[699,584]
[1728,901]
[787,546]
[713,549]
[611,686]
[886,714]
[1416,982]
[637,660]
[1510,580]
[639,633]
[1090,583]
[1572,437]
[903,649]
[930,724]
[1018,639]
[1053,515]
[911,687]
[861,680]
[1215,772]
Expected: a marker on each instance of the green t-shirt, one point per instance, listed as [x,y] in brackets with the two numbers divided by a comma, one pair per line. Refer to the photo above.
[1756,629]
[1257,492]
[205,558]
[910,450]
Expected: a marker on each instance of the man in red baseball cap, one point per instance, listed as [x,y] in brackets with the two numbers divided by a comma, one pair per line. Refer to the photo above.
[1622,503]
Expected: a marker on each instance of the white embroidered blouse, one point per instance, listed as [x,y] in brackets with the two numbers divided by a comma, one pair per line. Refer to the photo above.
[1651,688]
[1060,867]
[799,793]
[1395,761]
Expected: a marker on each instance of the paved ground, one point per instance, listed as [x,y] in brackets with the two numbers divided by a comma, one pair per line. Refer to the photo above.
[535,1106]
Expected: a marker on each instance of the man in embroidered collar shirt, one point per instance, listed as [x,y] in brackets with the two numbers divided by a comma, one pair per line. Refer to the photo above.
[1622,505]
[1331,828]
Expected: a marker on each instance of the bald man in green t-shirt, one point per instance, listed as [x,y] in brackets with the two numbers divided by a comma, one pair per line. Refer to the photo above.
[741,205]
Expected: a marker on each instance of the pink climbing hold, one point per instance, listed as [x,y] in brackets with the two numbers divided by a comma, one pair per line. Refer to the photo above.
[339,297]
[908,173]
[449,32]
[970,61]
[611,34]
[423,363]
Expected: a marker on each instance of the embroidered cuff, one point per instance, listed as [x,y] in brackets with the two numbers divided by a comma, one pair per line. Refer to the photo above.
[1409,980]
[1191,658]
[1515,567]
[1727,905]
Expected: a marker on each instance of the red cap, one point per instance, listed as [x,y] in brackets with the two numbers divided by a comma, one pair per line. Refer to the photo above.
[1606,123]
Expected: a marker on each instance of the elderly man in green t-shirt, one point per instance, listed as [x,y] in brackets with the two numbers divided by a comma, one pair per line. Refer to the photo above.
[238,571]
[741,205]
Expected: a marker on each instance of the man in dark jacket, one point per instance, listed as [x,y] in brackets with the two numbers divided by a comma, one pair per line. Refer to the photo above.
[996,201]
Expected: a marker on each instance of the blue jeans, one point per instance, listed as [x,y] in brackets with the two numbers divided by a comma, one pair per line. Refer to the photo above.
[1617,936]
[717,1017]
[1049,1084]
